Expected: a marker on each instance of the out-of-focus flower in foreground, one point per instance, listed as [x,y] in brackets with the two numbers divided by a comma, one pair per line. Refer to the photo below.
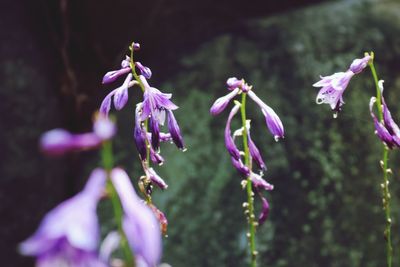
[69,234]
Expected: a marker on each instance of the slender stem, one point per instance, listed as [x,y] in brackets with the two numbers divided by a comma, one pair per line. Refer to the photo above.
[250,194]
[108,162]
[386,171]
[146,122]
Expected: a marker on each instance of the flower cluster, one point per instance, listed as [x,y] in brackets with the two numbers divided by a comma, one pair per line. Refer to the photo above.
[387,130]
[274,124]
[150,117]
[333,86]
[69,234]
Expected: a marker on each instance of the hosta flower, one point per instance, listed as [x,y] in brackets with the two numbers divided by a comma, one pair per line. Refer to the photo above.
[120,96]
[260,184]
[387,130]
[229,141]
[234,83]
[333,86]
[145,71]
[240,167]
[155,178]
[59,141]
[264,211]
[221,103]
[69,234]
[175,131]
[139,223]
[273,121]
[255,152]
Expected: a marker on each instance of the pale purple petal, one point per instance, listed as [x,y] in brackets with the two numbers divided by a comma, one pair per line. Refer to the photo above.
[126,62]
[121,93]
[221,103]
[234,83]
[74,221]
[229,142]
[104,128]
[106,103]
[140,225]
[274,123]
[380,129]
[175,131]
[111,76]
[156,157]
[359,64]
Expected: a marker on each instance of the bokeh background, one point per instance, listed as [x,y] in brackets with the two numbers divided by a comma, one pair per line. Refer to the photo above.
[326,206]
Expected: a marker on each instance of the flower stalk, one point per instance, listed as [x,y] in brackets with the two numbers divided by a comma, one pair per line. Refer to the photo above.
[385,169]
[250,194]
[108,162]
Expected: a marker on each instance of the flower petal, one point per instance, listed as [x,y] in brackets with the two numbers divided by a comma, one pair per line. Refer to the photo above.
[175,131]
[229,142]
[111,76]
[121,93]
[221,103]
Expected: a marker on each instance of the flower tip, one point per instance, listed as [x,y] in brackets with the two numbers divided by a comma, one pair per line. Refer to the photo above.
[184,149]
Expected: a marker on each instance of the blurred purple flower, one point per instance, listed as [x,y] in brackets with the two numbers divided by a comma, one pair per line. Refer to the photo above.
[59,141]
[333,86]
[387,130]
[69,234]
[120,96]
[221,103]
[145,71]
[139,223]
[274,123]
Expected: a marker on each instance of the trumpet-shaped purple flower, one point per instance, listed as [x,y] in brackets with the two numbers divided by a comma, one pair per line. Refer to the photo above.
[240,167]
[139,223]
[333,86]
[229,141]
[221,103]
[155,103]
[387,130]
[120,96]
[274,123]
[69,234]
[59,141]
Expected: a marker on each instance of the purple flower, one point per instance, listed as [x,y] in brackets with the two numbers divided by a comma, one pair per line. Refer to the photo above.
[234,83]
[175,131]
[240,167]
[155,103]
[387,130]
[140,134]
[333,86]
[120,96]
[255,153]
[59,141]
[145,71]
[111,76]
[155,133]
[221,103]
[260,183]
[274,123]
[139,223]
[69,234]
[229,141]
[359,64]
[155,178]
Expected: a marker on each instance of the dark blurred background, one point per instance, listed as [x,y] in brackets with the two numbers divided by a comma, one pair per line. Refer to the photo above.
[326,206]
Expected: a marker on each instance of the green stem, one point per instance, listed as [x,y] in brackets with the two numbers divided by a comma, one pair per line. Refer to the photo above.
[250,194]
[146,122]
[108,162]
[386,171]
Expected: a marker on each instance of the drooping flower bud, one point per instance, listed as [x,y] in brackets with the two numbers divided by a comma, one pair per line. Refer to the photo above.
[221,103]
